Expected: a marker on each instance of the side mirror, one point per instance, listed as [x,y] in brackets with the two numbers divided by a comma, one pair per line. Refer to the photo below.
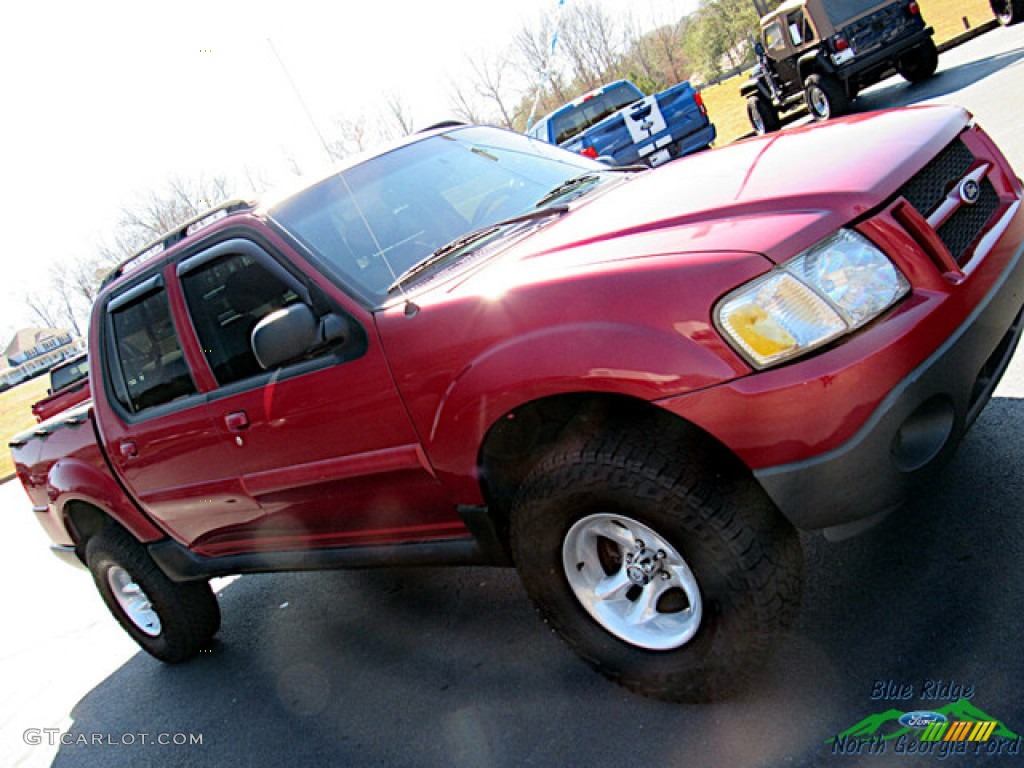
[759,49]
[293,332]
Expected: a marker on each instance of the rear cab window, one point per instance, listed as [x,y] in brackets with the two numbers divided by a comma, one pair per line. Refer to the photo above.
[147,364]
[569,122]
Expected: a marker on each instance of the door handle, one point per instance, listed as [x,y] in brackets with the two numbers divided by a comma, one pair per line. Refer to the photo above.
[237,421]
[129,449]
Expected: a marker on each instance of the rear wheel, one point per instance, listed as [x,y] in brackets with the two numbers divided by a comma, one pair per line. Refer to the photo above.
[667,575]
[1008,11]
[920,63]
[825,97]
[169,620]
[763,116]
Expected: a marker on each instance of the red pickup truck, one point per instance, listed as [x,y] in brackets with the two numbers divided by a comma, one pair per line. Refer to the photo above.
[473,347]
[69,386]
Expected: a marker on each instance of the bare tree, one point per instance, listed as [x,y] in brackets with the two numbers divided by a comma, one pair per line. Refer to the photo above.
[490,73]
[463,102]
[532,50]
[590,39]
[160,211]
[43,309]
[399,113]
[666,44]
[353,135]
[73,284]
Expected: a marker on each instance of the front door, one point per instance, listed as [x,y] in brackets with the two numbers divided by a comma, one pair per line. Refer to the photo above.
[322,446]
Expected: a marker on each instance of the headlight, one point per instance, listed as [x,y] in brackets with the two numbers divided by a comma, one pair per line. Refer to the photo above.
[832,288]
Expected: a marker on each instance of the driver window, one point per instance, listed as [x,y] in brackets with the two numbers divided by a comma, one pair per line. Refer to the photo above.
[226,299]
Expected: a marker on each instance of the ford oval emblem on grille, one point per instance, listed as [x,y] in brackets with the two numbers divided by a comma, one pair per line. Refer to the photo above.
[970,191]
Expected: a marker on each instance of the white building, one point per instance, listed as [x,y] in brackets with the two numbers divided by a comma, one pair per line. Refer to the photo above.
[33,351]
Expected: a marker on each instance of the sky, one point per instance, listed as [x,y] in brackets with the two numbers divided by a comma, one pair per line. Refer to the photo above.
[105,101]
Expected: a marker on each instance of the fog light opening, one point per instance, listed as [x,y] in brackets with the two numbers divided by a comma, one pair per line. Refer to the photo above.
[921,438]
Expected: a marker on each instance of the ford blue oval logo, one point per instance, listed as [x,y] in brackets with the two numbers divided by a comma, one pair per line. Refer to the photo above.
[970,191]
[921,719]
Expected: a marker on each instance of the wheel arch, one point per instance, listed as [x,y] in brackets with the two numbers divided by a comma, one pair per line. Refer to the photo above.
[590,359]
[754,86]
[523,437]
[814,63]
[85,498]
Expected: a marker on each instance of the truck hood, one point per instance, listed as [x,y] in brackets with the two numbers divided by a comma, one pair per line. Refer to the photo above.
[775,195]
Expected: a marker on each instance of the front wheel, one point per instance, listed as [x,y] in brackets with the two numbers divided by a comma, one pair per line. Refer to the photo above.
[171,621]
[825,97]
[1008,11]
[920,63]
[663,572]
[762,115]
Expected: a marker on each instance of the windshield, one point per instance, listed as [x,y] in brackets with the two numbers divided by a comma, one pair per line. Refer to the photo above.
[373,222]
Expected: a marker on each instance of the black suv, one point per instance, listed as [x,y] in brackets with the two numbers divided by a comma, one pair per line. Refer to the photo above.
[821,53]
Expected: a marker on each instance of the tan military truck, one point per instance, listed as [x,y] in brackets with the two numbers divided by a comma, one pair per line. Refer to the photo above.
[821,53]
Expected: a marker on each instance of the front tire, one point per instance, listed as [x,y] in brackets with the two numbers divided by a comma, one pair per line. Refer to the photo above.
[171,621]
[825,97]
[762,115]
[667,574]
[1008,11]
[920,63]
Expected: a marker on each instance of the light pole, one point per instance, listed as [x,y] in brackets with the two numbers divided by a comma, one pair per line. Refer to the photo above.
[761,6]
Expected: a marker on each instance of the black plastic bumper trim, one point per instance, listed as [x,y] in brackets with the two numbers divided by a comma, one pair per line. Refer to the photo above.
[181,564]
[964,370]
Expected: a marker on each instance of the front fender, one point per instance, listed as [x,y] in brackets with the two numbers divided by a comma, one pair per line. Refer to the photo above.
[582,357]
[753,86]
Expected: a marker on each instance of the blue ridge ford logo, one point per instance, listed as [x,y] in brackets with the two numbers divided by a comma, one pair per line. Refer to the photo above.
[921,719]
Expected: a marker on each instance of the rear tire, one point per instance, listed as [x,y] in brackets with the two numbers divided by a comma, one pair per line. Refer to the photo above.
[667,575]
[920,63]
[1008,12]
[762,115]
[171,621]
[825,97]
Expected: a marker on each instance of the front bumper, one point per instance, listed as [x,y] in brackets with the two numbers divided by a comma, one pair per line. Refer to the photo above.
[915,428]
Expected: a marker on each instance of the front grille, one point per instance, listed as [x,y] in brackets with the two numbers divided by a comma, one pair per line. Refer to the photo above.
[930,187]
[960,230]
[932,183]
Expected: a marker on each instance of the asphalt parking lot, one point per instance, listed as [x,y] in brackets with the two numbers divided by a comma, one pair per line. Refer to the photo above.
[427,667]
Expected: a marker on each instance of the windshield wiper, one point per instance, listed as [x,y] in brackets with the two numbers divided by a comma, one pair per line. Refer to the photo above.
[464,241]
[568,186]
[586,178]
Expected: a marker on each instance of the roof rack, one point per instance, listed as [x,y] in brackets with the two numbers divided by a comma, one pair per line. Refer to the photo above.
[179,233]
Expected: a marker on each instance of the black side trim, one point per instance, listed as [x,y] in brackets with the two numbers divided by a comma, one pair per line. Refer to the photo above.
[180,564]
[481,524]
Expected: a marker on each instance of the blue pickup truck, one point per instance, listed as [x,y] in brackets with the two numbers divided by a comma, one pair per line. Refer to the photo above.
[618,123]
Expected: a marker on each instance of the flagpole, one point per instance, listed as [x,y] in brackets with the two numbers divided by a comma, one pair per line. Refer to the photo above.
[546,74]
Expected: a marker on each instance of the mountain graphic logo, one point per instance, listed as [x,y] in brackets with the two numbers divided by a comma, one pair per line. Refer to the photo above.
[886,726]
